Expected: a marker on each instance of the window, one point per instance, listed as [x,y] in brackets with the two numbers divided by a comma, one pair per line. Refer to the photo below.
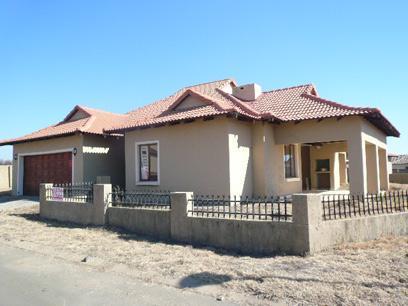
[290,161]
[322,165]
[148,162]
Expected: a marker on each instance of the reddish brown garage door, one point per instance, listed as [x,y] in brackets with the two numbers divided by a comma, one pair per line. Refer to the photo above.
[47,168]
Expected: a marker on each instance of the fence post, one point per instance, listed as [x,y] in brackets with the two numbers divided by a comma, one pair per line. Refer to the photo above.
[100,202]
[180,223]
[43,196]
[307,218]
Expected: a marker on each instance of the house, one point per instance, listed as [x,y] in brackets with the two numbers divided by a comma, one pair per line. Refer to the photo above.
[399,163]
[223,138]
[74,150]
[216,138]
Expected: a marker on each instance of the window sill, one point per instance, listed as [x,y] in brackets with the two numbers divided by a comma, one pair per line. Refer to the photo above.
[147,184]
[292,179]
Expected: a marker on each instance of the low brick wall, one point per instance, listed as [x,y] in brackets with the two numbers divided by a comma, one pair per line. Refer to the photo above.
[307,233]
[244,236]
[399,178]
[80,213]
[335,232]
[143,221]
[75,212]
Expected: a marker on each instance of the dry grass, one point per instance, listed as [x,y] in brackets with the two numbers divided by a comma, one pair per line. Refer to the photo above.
[363,273]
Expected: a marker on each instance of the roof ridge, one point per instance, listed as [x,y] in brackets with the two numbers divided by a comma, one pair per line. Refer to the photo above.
[98,110]
[337,104]
[205,83]
[288,88]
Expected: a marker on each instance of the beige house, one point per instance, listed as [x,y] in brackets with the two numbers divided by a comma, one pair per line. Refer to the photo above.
[214,138]
[74,150]
[224,139]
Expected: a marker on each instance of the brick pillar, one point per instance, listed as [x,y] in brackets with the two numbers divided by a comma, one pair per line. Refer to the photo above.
[43,196]
[180,223]
[100,202]
[307,218]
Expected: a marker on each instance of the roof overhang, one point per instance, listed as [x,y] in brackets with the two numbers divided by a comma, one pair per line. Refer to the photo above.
[17,141]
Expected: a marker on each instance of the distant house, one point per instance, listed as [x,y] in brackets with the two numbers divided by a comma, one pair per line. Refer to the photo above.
[399,163]
[216,138]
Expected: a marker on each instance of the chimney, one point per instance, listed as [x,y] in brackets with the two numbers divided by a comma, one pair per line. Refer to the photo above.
[247,92]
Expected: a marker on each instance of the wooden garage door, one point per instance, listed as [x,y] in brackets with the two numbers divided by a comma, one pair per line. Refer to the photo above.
[47,168]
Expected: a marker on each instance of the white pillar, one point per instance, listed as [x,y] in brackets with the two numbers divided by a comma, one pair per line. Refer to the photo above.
[335,172]
[373,173]
[383,167]
[357,164]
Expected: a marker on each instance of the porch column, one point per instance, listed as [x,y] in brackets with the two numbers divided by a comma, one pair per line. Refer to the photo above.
[335,173]
[342,169]
[373,173]
[357,164]
[383,167]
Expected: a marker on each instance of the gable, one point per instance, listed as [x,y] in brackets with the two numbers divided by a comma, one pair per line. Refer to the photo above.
[190,102]
[79,114]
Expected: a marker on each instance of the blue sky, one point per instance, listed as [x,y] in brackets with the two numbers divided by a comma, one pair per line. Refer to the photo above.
[118,55]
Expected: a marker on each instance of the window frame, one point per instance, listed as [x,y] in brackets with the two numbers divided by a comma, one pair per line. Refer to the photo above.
[140,182]
[296,176]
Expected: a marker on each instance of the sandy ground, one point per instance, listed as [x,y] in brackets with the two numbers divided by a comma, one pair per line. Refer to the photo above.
[363,273]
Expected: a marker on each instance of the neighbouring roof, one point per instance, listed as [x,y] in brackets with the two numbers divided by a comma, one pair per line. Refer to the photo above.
[400,159]
[80,120]
[282,105]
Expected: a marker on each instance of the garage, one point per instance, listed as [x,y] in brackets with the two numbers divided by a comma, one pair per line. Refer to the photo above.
[46,168]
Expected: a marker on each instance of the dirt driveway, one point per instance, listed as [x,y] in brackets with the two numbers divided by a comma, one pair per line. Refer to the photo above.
[364,273]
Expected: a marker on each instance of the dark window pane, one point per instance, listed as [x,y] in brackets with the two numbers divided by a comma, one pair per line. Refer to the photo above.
[148,162]
[290,161]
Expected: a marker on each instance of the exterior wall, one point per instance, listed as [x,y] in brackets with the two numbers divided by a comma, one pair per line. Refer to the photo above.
[227,156]
[111,164]
[193,157]
[47,146]
[6,176]
[268,163]
[240,158]
[328,151]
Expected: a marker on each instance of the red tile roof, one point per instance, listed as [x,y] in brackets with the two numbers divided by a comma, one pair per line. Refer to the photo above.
[94,122]
[283,105]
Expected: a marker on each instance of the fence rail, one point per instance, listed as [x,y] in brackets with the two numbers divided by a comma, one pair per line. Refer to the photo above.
[340,206]
[150,200]
[75,193]
[272,208]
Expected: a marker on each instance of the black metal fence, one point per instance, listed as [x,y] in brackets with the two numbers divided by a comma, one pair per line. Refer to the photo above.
[340,206]
[271,208]
[150,200]
[75,193]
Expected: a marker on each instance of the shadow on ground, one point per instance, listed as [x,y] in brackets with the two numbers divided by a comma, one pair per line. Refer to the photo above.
[4,198]
[204,279]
